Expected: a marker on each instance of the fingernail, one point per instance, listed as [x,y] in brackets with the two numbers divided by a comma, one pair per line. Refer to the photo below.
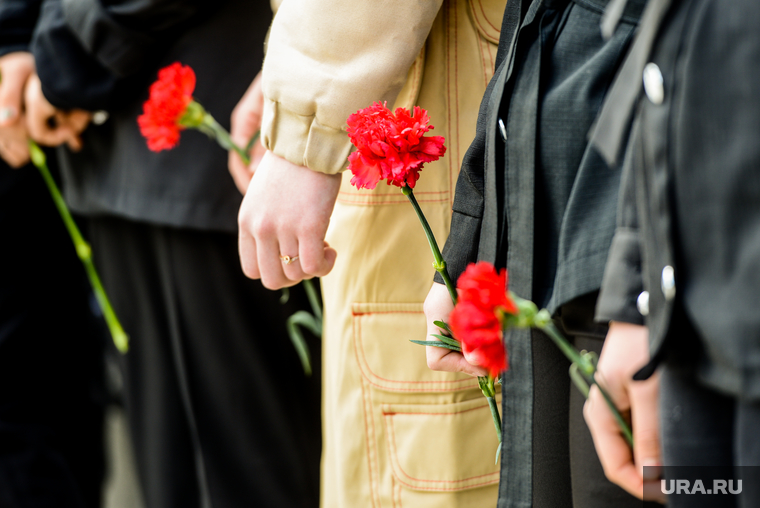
[7,114]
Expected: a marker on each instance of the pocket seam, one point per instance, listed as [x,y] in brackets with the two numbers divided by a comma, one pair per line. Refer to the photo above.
[463,484]
[390,384]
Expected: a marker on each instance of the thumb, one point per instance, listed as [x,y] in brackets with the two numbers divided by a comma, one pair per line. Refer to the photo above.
[11,93]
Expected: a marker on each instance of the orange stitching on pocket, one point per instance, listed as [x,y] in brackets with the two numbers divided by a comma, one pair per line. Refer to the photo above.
[483,59]
[370,203]
[372,485]
[416,193]
[483,10]
[392,442]
[358,345]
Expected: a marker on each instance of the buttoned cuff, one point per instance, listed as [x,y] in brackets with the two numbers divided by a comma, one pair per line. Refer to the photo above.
[303,140]
[622,283]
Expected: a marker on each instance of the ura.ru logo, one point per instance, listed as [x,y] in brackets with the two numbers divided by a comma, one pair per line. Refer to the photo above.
[698,487]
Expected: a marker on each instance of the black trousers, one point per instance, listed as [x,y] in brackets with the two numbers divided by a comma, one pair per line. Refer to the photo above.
[566,469]
[701,427]
[220,411]
[51,352]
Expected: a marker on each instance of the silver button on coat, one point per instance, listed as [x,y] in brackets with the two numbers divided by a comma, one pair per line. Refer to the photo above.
[653,83]
[642,303]
[503,130]
[668,282]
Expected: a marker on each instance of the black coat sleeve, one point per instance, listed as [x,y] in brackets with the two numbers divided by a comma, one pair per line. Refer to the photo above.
[90,53]
[17,20]
[623,281]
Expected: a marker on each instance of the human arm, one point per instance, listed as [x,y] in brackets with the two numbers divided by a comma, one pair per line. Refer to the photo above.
[325,60]
[625,352]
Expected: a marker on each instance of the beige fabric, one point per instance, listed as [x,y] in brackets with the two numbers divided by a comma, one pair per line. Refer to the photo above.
[325,60]
[395,433]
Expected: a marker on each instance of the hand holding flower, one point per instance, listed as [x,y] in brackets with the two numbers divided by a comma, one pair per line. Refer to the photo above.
[438,306]
[15,69]
[49,125]
[626,349]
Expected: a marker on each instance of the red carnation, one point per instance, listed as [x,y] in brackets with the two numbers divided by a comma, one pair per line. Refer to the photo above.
[480,283]
[476,318]
[168,101]
[390,146]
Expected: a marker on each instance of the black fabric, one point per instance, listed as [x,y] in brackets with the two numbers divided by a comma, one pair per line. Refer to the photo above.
[541,202]
[51,357]
[590,486]
[99,54]
[220,410]
[17,20]
[116,174]
[566,469]
[694,161]
[702,427]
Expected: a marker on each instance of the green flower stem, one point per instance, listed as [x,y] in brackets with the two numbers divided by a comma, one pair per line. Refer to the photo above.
[83,250]
[440,264]
[311,293]
[495,415]
[224,139]
[624,427]
[572,354]
[489,391]
[584,367]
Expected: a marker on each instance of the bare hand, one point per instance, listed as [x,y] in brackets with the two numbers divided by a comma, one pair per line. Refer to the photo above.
[49,125]
[286,211]
[625,351]
[244,124]
[437,307]
[15,69]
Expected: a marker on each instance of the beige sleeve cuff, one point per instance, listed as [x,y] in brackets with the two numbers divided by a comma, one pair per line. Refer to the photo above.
[302,140]
[325,60]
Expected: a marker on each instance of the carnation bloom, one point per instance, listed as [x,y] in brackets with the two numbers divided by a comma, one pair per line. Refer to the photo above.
[476,318]
[390,146]
[168,101]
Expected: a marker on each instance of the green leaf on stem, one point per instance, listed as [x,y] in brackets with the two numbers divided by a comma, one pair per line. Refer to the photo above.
[443,326]
[294,324]
[448,340]
[436,343]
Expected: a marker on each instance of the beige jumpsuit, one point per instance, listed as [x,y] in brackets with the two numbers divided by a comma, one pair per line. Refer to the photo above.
[395,433]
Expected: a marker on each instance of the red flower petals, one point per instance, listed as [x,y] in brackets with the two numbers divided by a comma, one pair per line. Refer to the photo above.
[169,98]
[476,318]
[390,146]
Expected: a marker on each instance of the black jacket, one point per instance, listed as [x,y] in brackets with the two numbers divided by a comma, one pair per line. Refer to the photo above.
[689,223]
[103,55]
[534,196]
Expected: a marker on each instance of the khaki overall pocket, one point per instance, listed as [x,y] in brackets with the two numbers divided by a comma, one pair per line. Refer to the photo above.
[431,438]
